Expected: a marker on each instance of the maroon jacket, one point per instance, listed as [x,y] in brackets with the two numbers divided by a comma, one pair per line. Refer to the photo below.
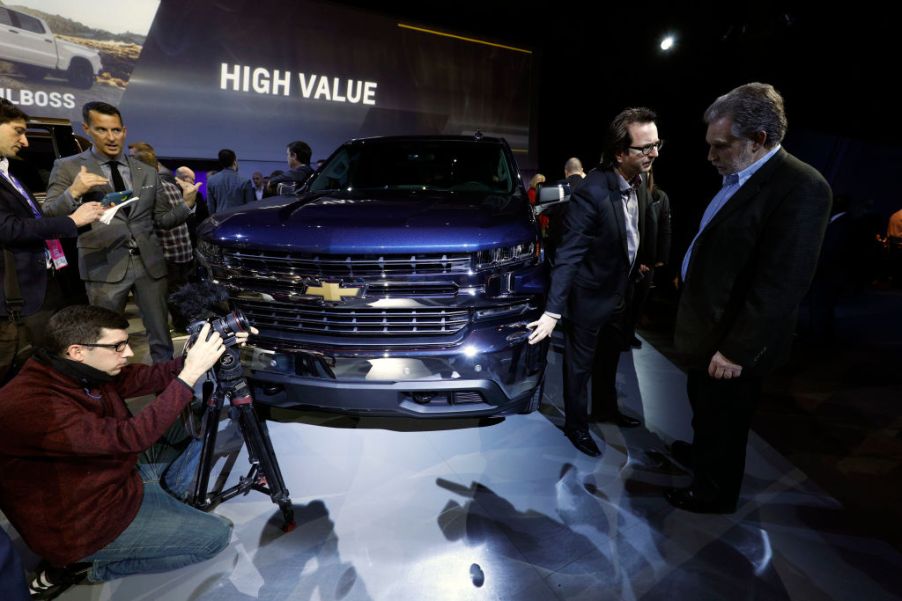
[68,481]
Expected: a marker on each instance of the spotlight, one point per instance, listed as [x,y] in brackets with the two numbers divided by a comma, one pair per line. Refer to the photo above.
[667,43]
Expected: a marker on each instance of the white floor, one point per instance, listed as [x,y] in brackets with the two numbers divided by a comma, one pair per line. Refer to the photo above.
[507,509]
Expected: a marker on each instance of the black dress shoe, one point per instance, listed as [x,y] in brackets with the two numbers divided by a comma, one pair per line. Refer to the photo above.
[690,499]
[624,421]
[635,342]
[582,440]
[681,451]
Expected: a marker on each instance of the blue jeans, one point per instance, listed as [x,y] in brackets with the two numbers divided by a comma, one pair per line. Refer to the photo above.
[12,578]
[166,534]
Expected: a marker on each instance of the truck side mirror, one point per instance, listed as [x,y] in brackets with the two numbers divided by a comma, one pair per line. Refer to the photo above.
[551,195]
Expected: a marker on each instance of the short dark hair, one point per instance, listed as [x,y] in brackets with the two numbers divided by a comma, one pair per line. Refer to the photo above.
[145,153]
[301,150]
[81,324]
[101,107]
[753,107]
[227,158]
[618,137]
[10,112]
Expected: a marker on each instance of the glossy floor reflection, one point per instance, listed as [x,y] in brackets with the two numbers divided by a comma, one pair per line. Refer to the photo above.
[507,509]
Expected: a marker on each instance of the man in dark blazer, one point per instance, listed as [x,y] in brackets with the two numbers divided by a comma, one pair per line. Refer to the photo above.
[32,237]
[744,276]
[125,255]
[595,265]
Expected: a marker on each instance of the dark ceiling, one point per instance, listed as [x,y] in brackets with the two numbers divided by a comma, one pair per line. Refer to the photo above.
[835,68]
[594,59]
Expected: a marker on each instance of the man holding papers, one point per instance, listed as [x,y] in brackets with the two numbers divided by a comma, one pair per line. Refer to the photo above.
[125,255]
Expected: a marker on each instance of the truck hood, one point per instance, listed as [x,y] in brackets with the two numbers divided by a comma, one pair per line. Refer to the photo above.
[365,223]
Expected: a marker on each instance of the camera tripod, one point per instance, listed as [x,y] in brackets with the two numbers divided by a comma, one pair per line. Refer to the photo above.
[264,474]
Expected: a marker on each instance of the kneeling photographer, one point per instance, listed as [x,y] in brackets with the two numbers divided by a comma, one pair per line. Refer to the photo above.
[75,483]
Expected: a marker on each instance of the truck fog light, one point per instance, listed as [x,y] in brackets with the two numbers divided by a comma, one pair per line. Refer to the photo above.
[422,398]
[257,358]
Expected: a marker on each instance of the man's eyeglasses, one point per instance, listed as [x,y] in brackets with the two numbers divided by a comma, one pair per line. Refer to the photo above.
[646,150]
[116,346]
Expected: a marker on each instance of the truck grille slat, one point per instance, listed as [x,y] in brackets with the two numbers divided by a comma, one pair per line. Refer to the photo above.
[360,322]
[275,284]
[287,264]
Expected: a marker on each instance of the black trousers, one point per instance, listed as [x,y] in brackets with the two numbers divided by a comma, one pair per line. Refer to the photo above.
[722,413]
[53,302]
[178,274]
[590,354]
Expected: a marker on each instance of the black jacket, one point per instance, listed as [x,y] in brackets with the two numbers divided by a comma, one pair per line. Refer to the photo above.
[592,269]
[752,266]
[24,236]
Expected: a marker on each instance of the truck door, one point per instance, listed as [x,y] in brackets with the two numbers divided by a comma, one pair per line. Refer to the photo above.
[26,40]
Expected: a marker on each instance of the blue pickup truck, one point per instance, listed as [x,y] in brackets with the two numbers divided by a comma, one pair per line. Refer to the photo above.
[400,282]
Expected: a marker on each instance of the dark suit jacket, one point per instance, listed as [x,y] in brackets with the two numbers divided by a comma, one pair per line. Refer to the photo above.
[752,266]
[592,269]
[657,234]
[102,252]
[24,235]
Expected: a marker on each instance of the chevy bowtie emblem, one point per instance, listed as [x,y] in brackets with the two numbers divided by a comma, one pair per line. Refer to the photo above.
[332,291]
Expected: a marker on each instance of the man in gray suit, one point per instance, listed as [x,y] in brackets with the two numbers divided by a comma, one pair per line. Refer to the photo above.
[124,256]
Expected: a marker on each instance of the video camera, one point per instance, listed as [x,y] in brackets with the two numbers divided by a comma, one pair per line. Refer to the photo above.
[206,302]
[228,327]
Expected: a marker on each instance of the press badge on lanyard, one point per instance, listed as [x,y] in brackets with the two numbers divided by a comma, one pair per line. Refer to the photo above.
[55,254]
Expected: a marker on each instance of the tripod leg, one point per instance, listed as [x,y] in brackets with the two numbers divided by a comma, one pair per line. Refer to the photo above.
[210,429]
[260,452]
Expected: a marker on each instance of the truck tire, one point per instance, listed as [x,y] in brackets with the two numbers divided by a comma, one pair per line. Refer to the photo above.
[33,72]
[80,74]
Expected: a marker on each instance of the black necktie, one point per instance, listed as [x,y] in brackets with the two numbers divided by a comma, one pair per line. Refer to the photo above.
[118,183]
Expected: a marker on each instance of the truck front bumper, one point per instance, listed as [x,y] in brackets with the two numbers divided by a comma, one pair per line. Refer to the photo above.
[493,371]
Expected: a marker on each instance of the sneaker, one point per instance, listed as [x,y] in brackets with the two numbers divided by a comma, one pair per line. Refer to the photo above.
[49,582]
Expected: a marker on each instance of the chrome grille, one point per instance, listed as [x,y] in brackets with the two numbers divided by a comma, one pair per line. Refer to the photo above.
[270,263]
[354,321]
[373,289]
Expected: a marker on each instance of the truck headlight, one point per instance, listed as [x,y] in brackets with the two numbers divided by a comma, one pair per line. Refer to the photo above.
[209,253]
[506,255]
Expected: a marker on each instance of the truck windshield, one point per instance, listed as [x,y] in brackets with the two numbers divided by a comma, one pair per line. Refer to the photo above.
[444,166]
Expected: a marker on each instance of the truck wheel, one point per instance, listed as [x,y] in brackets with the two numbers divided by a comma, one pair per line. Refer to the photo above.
[536,399]
[80,74]
[33,72]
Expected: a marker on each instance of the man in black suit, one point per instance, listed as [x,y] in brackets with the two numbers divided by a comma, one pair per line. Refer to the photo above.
[744,276]
[32,237]
[595,265]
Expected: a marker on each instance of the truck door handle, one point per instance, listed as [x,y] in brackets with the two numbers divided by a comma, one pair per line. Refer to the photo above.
[49,41]
[13,31]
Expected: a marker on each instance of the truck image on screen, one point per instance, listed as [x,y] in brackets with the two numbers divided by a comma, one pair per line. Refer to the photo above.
[28,42]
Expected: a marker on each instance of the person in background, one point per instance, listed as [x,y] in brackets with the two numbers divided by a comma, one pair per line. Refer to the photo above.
[226,189]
